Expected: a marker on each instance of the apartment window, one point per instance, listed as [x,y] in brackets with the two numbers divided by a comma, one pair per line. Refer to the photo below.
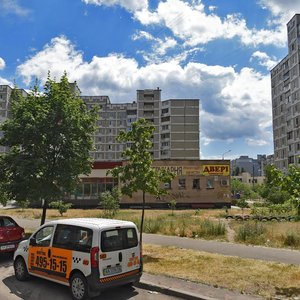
[291,160]
[165,119]
[196,183]
[181,183]
[165,127]
[290,135]
[209,183]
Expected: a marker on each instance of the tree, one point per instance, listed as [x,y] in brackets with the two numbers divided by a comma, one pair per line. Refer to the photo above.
[49,136]
[110,202]
[137,173]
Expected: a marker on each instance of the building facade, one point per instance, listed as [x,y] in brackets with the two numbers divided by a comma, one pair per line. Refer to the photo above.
[246,164]
[285,84]
[197,184]
[176,123]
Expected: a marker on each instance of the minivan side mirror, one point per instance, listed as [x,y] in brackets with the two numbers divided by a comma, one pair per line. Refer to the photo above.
[32,242]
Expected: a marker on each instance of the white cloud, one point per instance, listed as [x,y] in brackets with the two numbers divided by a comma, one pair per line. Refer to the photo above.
[193,25]
[131,5]
[284,9]
[212,8]
[58,56]
[5,82]
[13,7]
[2,63]
[234,104]
[160,46]
[264,59]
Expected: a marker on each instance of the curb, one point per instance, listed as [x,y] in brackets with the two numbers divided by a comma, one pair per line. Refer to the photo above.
[171,292]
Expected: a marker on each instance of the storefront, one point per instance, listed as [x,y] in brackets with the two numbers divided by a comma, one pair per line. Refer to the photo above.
[197,184]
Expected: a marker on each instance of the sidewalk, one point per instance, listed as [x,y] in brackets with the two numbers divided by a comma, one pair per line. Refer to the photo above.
[183,289]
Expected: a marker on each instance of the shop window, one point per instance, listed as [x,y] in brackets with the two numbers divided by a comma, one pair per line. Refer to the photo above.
[209,183]
[196,183]
[181,183]
[86,189]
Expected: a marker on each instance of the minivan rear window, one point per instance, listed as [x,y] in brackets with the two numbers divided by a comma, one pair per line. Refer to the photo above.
[118,239]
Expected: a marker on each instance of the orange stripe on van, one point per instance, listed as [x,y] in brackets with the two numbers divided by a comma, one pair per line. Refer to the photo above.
[117,277]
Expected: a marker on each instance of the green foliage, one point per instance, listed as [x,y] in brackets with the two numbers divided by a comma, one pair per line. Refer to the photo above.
[49,135]
[172,205]
[251,232]
[282,188]
[242,203]
[23,204]
[209,229]
[291,239]
[243,189]
[61,206]
[109,200]
[137,174]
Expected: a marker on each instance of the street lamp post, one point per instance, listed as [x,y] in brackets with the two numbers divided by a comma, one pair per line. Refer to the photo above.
[225,153]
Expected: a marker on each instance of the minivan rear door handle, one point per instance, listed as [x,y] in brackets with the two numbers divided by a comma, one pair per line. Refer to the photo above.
[120,256]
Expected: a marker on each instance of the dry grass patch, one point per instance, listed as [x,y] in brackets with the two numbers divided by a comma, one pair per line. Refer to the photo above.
[244,275]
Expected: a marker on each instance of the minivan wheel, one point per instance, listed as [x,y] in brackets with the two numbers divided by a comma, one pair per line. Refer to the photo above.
[20,268]
[79,287]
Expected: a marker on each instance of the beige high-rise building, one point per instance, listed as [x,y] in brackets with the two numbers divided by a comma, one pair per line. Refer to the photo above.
[285,78]
[176,124]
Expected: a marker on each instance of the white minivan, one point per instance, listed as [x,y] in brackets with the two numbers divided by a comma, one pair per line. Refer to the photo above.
[87,254]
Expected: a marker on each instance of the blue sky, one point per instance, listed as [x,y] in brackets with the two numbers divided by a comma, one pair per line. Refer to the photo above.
[218,51]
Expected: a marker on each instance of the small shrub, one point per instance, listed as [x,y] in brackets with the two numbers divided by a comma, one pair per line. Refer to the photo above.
[291,240]
[152,225]
[251,232]
[23,204]
[110,202]
[61,206]
[172,205]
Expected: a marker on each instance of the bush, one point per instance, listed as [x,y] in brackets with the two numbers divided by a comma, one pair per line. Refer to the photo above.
[291,240]
[251,232]
[109,200]
[61,206]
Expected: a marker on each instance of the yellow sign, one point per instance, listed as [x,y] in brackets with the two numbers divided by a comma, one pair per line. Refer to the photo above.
[216,170]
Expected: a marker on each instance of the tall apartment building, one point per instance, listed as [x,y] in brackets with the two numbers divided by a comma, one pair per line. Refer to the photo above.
[285,83]
[5,92]
[176,123]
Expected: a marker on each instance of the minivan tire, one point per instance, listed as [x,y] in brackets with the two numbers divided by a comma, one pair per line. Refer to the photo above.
[20,268]
[79,287]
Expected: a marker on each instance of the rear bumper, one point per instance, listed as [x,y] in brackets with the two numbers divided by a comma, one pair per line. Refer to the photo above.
[116,280]
[9,246]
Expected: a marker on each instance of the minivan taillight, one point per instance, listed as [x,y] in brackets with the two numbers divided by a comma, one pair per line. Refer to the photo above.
[95,257]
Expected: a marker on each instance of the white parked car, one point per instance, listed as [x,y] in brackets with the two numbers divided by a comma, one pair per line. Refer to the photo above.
[87,254]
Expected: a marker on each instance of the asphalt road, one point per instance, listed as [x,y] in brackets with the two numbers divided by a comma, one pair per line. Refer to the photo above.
[37,288]
[232,249]
[224,248]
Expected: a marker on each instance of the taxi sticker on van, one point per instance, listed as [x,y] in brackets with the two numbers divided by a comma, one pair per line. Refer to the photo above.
[50,262]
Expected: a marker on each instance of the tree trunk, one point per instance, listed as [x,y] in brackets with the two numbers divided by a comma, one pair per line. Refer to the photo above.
[45,205]
[142,220]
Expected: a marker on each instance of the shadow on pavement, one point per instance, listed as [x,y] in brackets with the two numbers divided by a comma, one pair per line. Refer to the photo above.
[37,288]
[6,259]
